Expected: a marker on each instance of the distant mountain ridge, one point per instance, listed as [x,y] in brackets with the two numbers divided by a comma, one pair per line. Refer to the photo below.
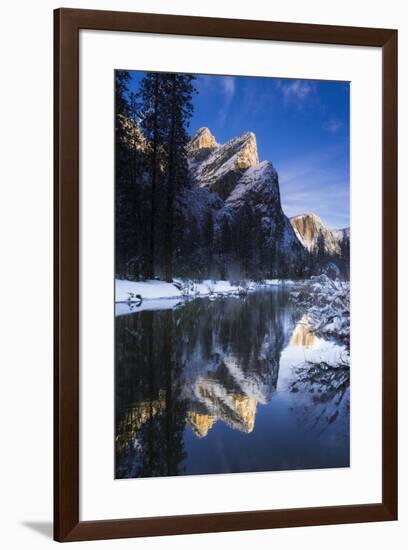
[309,229]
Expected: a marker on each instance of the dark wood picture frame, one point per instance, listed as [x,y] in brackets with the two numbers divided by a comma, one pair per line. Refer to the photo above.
[67,24]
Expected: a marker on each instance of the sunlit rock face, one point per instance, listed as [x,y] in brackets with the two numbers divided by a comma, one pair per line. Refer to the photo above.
[302,336]
[200,423]
[246,407]
[309,229]
[247,154]
[202,139]
[219,167]
[136,416]
[236,410]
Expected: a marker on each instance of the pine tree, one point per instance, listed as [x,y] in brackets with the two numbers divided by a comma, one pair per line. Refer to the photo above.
[193,238]
[165,110]
[129,180]
[136,198]
[152,121]
[208,238]
[178,91]
[223,247]
[345,257]
[321,252]
[122,176]
[279,267]
[121,102]
[244,235]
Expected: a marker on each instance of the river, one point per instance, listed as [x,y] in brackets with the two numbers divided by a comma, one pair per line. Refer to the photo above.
[227,385]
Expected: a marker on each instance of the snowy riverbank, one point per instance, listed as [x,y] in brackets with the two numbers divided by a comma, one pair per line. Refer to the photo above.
[326,304]
[131,291]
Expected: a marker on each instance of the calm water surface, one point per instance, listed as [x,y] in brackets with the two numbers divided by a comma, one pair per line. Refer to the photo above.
[217,386]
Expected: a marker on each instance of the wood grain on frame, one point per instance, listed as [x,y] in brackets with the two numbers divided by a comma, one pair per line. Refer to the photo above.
[67,23]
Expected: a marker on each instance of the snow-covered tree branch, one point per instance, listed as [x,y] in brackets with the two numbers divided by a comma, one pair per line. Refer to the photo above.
[326,304]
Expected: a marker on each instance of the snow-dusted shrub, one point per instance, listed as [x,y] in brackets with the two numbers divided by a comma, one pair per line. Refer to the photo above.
[210,287]
[188,288]
[326,303]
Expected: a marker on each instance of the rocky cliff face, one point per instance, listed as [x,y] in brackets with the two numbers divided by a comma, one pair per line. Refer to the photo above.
[309,229]
[258,186]
[202,139]
[220,167]
[233,175]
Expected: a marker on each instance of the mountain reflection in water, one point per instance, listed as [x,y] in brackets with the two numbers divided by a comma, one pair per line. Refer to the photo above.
[216,386]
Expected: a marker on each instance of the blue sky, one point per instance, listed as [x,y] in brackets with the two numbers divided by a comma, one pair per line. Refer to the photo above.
[301,126]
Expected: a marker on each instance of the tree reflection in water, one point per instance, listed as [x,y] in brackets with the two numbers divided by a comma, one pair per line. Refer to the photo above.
[200,368]
[320,379]
[150,411]
[328,387]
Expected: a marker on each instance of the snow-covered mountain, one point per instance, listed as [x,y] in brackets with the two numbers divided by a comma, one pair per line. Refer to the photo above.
[202,139]
[310,229]
[219,167]
[236,180]
[233,223]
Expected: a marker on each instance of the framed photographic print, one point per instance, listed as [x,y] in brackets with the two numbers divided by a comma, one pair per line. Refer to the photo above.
[225,274]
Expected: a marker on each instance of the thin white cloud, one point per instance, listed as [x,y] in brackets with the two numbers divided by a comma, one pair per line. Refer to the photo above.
[295,91]
[333,126]
[205,83]
[310,184]
[228,90]
[228,85]
[223,87]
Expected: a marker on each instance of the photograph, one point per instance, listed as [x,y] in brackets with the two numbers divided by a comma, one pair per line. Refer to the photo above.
[204,230]
[232,274]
